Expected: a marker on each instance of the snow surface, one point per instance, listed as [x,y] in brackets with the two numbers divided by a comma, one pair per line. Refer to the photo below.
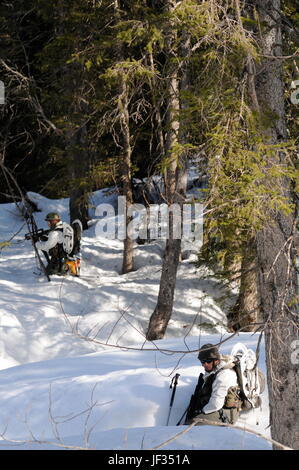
[76,371]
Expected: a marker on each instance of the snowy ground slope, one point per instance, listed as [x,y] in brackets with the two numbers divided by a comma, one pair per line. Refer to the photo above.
[54,385]
[115,400]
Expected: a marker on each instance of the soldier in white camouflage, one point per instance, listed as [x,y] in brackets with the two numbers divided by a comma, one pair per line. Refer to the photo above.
[52,245]
[216,396]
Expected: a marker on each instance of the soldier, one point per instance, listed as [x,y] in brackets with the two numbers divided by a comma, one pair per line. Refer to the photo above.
[52,245]
[216,396]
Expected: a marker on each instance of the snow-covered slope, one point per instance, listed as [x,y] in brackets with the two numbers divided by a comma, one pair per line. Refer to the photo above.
[57,387]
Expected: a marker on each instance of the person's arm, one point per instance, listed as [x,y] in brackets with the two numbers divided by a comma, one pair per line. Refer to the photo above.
[53,238]
[224,380]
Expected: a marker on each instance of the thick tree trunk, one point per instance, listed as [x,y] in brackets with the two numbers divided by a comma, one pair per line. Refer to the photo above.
[176,183]
[279,294]
[246,313]
[79,207]
[163,311]
[278,278]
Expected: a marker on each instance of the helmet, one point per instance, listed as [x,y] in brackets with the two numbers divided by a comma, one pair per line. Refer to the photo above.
[52,216]
[208,351]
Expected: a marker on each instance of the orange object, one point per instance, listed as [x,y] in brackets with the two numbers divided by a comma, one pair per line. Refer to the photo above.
[73,266]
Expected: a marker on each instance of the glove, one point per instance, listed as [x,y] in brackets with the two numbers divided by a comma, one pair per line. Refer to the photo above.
[31,237]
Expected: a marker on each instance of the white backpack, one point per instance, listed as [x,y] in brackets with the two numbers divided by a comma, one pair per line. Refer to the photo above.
[250,378]
[68,237]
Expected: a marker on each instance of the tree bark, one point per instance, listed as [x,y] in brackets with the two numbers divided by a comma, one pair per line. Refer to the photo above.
[78,167]
[176,183]
[126,150]
[76,135]
[163,311]
[246,313]
[278,279]
[128,255]
[279,294]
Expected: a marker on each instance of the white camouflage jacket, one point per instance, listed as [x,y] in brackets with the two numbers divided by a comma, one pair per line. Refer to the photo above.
[226,378]
[54,237]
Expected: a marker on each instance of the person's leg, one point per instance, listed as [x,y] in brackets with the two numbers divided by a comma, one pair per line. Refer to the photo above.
[203,419]
[228,416]
[53,266]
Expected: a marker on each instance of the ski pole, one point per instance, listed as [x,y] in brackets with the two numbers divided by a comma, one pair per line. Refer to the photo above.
[185,412]
[174,383]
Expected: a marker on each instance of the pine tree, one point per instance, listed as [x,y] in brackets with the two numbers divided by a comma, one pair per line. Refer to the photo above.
[25,126]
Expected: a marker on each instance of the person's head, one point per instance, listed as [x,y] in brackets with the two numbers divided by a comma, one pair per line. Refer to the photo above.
[209,356]
[52,218]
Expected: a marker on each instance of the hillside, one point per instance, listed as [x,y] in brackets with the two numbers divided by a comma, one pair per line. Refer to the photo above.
[57,387]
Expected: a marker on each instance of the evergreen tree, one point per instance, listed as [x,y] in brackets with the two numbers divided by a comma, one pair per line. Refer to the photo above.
[25,127]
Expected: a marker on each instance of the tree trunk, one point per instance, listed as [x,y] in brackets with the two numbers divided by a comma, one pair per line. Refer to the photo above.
[162,313]
[125,145]
[75,140]
[79,162]
[128,255]
[278,279]
[246,314]
[279,294]
[157,107]
[78,206]
[176,183]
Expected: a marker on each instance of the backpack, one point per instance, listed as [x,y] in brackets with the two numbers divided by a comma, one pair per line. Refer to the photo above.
[68,238]
[71,237]
[251,380]
[77,230]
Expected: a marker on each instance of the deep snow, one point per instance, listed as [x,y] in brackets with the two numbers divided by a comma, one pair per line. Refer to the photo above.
[58,389]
